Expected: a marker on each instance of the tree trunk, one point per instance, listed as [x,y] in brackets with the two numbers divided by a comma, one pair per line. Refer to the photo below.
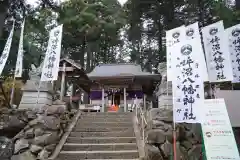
[82,53]
[169,18]
[2,20]
[89,58]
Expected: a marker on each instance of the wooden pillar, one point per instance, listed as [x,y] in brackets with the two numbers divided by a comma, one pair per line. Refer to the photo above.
[63,81]
[103,100]
[125,99]
[144,102]
[71,94]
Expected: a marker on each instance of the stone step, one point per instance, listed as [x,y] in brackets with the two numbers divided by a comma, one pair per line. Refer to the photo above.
[97,147]
[123,119]
[99,129]
[103,124]
[104,119]
[108,113]
[110,159]
[77,155]
[125,133]
[101,140]
[105,159]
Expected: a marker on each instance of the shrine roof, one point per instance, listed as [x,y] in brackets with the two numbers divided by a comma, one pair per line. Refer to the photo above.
[121,71]
[72,62]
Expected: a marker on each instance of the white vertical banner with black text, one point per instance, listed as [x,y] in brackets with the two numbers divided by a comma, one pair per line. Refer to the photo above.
[192,33]
[6,50]
[173,37]
[187,85]
[52,58]
[19,63]
[217,53]
[233,35]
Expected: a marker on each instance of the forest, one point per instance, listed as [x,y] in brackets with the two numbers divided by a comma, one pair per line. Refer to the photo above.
[103,31]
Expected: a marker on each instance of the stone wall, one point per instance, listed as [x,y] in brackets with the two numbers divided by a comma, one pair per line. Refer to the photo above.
[159,137]
[41,135]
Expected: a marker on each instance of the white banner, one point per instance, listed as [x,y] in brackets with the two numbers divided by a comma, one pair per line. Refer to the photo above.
[19,63]
[187,85]
[173,37]
[52,58]
[217,53]
[233,34]
[217,131]
[192,32]
[6,50]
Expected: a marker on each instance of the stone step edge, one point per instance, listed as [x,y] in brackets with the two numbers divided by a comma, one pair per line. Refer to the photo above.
[84,122]
[101,132]
[103,127]
[96,138]
[100,144]
[112,159]
[92,152]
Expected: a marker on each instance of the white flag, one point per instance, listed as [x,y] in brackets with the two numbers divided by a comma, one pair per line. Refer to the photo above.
[187,85]
[192,33]
[19,64]
[6,51]
[173,37]
[233,34]
[217,53]
[52,58]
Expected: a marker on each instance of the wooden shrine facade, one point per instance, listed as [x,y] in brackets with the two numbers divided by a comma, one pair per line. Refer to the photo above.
[120,84]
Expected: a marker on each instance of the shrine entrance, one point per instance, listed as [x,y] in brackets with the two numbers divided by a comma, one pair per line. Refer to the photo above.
[118,85]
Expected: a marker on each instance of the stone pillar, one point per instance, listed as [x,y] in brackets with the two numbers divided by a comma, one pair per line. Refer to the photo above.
[125,99]
[63,81]
[103,100]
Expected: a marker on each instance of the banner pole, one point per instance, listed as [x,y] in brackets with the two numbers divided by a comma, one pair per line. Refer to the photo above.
[174,130]
[13,90]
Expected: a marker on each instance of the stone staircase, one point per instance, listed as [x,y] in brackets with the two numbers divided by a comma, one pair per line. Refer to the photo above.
[101,136]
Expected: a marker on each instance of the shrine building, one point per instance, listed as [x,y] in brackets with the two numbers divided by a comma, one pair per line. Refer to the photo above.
[120,84]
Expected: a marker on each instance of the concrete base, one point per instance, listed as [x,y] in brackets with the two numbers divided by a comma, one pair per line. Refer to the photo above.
[31,99]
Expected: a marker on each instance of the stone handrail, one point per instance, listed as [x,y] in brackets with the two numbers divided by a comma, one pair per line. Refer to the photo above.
[141,120]
[65,136]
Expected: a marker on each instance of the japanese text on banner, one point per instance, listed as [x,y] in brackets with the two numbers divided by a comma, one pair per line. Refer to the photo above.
[173,37]
[6,50]
[188,89]
[192,32]
[217,53]
[19,63]
[233,34]
[52,58]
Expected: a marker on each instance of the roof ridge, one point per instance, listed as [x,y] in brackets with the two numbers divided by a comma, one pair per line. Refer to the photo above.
[115,64]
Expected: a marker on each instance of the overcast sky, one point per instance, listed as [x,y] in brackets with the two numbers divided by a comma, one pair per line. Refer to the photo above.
[33,2]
